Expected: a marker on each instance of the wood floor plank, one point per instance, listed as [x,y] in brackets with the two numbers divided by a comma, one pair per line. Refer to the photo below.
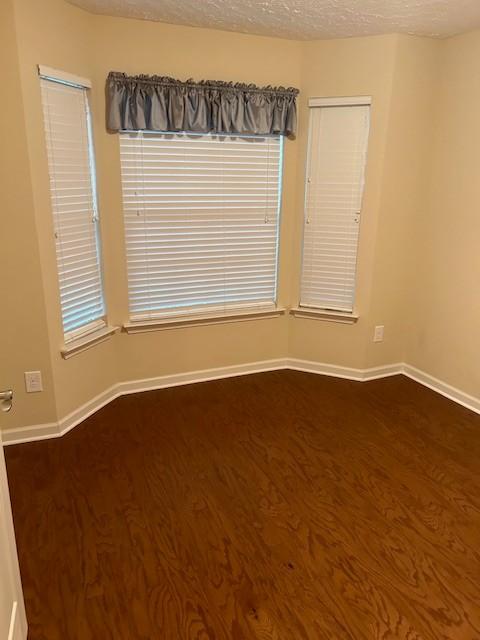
[277,506]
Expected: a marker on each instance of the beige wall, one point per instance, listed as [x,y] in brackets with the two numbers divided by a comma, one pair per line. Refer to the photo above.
[24,342]
[353,67]
[445,303]
[56,34]
[399,235]
[404,195]
[400,74]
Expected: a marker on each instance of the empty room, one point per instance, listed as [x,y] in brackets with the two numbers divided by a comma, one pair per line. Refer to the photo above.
[240,311]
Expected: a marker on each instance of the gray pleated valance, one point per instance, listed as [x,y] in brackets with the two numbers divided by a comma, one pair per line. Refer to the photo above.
[154,103]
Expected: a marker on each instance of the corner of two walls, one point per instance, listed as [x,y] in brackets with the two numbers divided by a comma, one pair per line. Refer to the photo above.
[62,36]
[58,35]
[399,72]
[445,302]
[346,67]
[404,202]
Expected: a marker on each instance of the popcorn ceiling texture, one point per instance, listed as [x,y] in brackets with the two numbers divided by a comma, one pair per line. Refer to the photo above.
[303,19]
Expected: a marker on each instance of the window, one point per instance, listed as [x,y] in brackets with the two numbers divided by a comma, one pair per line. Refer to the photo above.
[201,220]
[74,202]
[338,138]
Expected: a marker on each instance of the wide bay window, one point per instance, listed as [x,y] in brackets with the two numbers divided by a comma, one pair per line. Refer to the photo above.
[71,163]
[201,215]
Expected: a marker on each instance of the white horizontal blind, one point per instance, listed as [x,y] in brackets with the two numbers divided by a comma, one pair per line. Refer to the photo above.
[75,213]
[338,141]
[201,221]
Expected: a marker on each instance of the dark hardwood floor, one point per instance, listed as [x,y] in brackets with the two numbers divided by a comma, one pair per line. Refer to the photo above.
[278,506]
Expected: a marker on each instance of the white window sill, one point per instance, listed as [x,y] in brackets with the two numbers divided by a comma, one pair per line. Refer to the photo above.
[175,322]
[323,314]
[82,344]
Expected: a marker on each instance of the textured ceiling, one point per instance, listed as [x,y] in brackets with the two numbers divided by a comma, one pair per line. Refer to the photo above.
[304,19]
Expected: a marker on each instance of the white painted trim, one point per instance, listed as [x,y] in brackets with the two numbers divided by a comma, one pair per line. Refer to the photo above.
[176,322]
[205,375]
[10,572]
[312,313]
[13,619]
[74,418]
[345,101]
[348,373]
[82,344]
[55,74]
[444,389]
[14,628]
[57,429]
[31,433]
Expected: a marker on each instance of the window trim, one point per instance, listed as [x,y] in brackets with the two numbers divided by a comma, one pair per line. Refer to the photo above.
[82,332]
[302,310]
[327,315]
[55,75]
[76,340]
[346,101]
[178,322]
[88,340]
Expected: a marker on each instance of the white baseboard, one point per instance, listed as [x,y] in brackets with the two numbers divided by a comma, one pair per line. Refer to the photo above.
[204,375]
[360,375]
[57,429]
[444,389]
[33,433]
[74,418]
[12,629]
[17,630]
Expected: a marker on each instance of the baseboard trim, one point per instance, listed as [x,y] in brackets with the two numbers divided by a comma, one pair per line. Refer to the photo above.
[203,375]
[74,418]
[443,388]
[14,628]
[54,430]
[33,433]
[18,629]
[13,623]
[334,371]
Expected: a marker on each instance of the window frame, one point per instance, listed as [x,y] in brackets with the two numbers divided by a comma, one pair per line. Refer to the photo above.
[234,311]
[303,310]
[95,330]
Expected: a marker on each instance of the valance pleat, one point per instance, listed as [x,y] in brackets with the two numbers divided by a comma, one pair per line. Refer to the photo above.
[155,103]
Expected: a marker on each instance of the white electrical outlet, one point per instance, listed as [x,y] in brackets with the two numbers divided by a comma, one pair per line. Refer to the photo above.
[33,381]
[378,333]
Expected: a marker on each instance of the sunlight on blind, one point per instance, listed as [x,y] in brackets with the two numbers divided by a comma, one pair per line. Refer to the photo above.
[72,187]
[201,221]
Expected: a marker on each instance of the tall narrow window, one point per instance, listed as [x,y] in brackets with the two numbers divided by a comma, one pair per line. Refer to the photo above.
[338,138]
[74,202]
[201,219]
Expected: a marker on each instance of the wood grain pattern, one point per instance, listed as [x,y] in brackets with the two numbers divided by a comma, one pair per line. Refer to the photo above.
[277,506]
